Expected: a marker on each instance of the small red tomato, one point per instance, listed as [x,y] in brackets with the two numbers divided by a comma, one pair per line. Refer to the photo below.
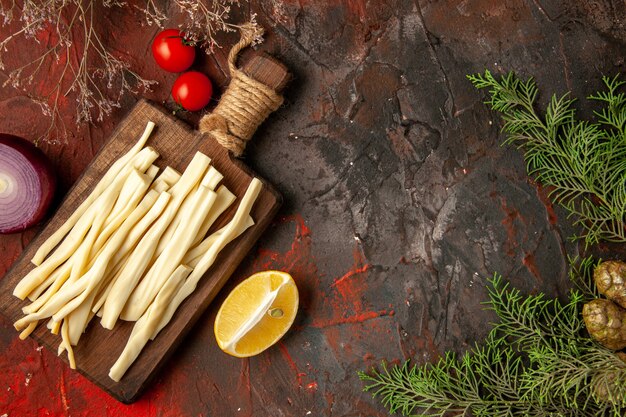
[172,52]
[192,90]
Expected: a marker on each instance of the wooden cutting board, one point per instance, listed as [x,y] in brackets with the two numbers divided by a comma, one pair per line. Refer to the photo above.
[99,348]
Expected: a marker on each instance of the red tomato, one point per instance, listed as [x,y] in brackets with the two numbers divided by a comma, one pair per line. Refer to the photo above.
[192,90]
[171,51]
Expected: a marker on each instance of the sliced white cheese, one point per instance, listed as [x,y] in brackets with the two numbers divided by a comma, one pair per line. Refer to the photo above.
[172,254]
[106,180]
[146,325]
[206,261]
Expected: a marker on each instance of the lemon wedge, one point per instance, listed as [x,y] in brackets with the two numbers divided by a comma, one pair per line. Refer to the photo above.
[256,314]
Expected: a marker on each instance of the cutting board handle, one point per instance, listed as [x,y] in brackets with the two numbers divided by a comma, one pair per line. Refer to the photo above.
[252,95]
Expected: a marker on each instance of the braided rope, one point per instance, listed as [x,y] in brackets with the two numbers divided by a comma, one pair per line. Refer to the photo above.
[245,104]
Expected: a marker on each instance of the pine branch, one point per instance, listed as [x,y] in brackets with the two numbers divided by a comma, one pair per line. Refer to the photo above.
[581,275]
[584,163]
[536,361]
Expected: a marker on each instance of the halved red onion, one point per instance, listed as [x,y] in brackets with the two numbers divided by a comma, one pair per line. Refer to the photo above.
[27,184]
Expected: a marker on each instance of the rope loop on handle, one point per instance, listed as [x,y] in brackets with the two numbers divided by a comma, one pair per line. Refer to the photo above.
[245,104]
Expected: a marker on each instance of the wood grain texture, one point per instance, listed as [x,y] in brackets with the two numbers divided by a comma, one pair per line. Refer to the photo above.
[99,348]
[268,70]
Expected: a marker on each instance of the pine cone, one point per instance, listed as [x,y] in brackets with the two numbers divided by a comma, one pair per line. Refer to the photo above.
[606,323]
[610,278]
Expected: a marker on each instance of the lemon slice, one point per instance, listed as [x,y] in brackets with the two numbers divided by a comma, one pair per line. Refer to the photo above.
[256,314]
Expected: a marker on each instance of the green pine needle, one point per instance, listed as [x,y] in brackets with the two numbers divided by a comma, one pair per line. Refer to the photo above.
[536,361]
[583,163]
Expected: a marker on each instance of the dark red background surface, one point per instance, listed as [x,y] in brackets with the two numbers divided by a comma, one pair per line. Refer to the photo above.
[399,199]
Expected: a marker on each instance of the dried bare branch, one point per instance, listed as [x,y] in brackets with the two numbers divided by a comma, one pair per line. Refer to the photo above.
[77,60]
